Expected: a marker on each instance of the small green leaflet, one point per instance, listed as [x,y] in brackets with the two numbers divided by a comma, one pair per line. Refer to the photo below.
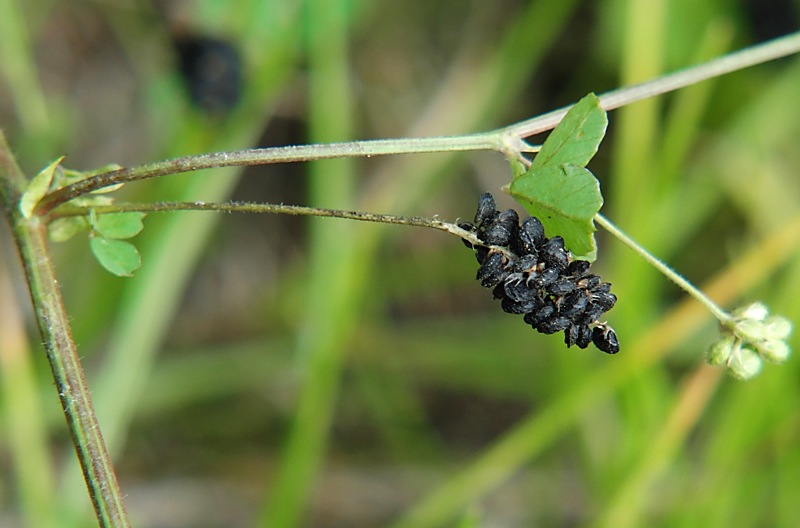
[117,225]
[62,229]
[577,136]
[557,188]
[566,199]
[53,177]
[38,188]
[114,254]
[108,230]
[117,256]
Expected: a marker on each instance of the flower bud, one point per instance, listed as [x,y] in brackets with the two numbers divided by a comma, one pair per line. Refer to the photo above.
[778,327]
[720,352]
[757,311]
[745,364]
[774,350]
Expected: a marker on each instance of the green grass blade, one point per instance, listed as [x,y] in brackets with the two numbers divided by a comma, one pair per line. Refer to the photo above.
[24,430]
[332,293]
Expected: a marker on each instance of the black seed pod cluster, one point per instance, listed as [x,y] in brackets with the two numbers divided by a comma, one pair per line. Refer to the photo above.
[537,277]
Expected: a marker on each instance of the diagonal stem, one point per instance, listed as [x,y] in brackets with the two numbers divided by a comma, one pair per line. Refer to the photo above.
[62,353]
[723,317]
[296,210]
[738,60]
[269,155]
[507,140]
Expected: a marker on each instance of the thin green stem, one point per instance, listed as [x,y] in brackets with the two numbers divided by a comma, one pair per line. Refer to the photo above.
[738,60]
[62,353]
[418,221]
[73,390]
[685,285]
[288,154]
[297,210]
[507,140]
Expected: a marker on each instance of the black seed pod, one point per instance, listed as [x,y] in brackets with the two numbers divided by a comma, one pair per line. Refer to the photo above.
[493,270]
[518,307]
[537,277]
[584,336]
[509,219]
[588,282]
[499,291]
[577,268]
[540,314]
[544,278]
[526,263]
[500,230]
[553,325]
[531,236]
[515,288]
[571,335]
[573,305]
[553,253]
[487,209]
[604,338]
[496,235]
[481,252]
[591,314]
[562,286]
[605,300]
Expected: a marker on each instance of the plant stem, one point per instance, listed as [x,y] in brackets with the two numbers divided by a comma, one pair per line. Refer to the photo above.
[738,60]
[62,353]
[507,140]
[297,210]
[288,154]
[685,285]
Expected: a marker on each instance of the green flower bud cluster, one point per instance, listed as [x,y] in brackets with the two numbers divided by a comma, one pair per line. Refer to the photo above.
[752,336]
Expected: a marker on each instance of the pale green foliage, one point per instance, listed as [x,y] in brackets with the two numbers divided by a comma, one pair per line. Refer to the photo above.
[557,188]
[38,188]
[117,256]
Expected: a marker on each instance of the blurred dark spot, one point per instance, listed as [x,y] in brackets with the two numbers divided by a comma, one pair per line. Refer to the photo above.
[770,19]
[212,71]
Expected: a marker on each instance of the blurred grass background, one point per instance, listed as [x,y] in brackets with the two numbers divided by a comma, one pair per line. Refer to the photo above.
[277,371]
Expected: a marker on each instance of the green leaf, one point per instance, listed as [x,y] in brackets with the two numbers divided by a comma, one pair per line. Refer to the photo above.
[62,229]
[117,225]
[565,198]
[557,188]
[117,256]
[576,138]
[37,189]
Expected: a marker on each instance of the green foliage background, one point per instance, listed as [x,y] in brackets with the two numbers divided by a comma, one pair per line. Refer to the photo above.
[268,371]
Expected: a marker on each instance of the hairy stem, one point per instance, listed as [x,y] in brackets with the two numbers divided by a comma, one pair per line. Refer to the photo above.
[289,154]
[297,210]
[507,140]
[738,60]
[62,354]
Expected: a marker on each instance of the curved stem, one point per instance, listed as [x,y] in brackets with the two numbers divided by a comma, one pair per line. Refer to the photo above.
[507,140]
[723,317]
[270,155]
